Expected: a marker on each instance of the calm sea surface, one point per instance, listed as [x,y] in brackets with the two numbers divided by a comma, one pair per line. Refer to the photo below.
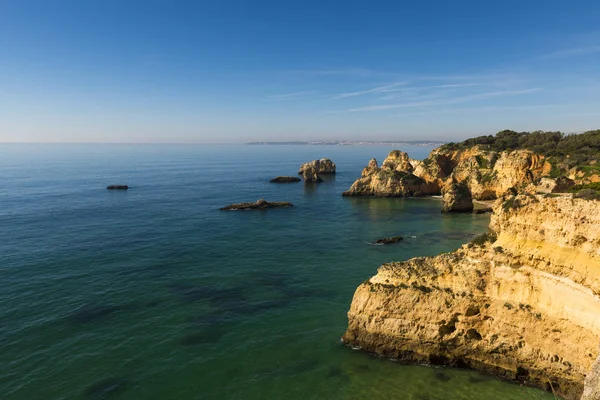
[153,293]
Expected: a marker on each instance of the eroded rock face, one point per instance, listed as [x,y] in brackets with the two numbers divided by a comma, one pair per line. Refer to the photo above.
[322,166]
[393,179]
[399,161]
[457,197]
[591,390]
[310,174]
[487,174]
[523,305]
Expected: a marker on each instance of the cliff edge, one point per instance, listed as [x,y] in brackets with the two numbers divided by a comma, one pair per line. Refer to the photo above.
[521,302]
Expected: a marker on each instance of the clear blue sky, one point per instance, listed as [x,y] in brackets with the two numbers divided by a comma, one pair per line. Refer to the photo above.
[229,71]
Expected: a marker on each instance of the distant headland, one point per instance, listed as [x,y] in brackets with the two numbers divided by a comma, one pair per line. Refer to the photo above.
[427,143]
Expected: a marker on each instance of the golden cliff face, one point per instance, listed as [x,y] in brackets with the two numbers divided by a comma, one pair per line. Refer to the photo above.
[524,305]
[487,174]
[393,179]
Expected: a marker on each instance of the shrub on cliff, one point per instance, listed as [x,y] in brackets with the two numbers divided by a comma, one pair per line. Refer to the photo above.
[571,150]
[587,194]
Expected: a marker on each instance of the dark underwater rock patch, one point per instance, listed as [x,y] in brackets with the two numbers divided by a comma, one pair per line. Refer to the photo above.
[117,187]
[90,313]
[106,388]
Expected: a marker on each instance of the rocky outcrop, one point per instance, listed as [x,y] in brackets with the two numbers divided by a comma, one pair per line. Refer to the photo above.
[117,187]
[285,179]
[457,197]
[258,205]
[552,185]
[392,179]
[522,302]
[398,161]
[323,166]
[310,174]
[487,174]
[390,240]
[591,390]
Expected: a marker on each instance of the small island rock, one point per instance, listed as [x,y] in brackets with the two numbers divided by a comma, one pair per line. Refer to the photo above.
[390,240]
[258,205]
[322,166]
[117,187]
[285,179]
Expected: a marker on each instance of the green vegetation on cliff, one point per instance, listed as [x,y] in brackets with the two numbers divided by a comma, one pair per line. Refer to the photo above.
[571,150]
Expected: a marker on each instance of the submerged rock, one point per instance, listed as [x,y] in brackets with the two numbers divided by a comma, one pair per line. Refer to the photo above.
[258,205]
[322,166]
[483,210]
[389,240]
[285,179]
[117,187]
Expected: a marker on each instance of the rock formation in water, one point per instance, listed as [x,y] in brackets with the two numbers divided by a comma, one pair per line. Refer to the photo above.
[323,166]
[117,187]
[393,179]
[285,179]
[489,166]
[457,197]
[310,174]
[258,205]
[390,240]
[521,302]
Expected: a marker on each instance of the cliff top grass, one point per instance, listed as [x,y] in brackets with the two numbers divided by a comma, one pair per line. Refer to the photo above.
[571,150]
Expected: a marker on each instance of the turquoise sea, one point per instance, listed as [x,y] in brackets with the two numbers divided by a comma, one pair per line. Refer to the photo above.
[154,293]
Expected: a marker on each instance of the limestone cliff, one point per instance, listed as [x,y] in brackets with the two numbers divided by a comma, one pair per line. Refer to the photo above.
[487,174]
[522,302]
[393,179]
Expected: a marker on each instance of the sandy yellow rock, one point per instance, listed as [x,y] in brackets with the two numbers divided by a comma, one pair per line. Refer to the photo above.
[523,306]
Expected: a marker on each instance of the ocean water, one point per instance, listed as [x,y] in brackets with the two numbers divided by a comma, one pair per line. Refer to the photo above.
[154,293]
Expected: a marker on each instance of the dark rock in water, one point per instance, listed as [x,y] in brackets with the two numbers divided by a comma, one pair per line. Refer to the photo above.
[482,210]
[117,187]
[205,335]
[259,205]
[106,388]
[89,313]
[285,179]
[390,240]
[441,376]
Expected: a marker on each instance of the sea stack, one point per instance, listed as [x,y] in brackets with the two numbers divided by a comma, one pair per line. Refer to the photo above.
[323,166]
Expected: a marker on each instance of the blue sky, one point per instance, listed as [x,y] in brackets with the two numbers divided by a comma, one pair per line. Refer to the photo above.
[235,71]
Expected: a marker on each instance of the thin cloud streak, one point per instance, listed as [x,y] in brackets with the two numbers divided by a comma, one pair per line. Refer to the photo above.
[379,89]
[580,51]
[288,96]
[393,87]
[455,100]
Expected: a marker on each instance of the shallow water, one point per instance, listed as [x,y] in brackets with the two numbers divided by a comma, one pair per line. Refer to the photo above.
[153,293]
